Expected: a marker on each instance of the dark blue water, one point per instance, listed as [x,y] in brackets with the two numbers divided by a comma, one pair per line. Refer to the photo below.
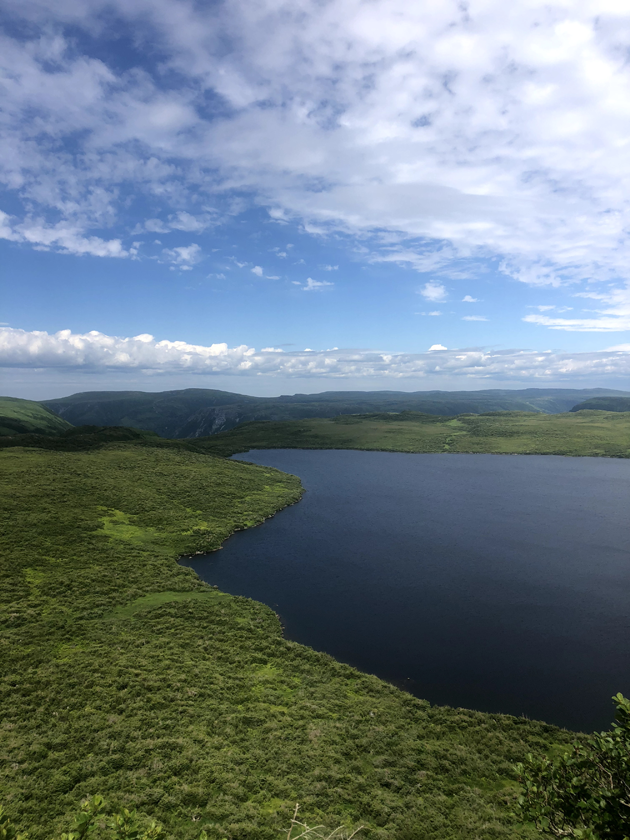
[493,582]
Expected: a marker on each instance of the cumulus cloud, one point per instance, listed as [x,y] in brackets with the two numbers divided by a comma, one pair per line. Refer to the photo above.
[183,257]
[94,351]
[469,299]
[62,237]
[433,291]
[257,270]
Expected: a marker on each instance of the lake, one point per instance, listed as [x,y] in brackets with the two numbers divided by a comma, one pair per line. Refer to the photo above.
[493,582]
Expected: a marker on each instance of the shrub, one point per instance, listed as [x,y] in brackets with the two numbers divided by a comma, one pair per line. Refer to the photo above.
[586,792]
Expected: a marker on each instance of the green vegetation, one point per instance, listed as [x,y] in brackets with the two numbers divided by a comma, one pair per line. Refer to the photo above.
[604,404]
[80,438]
[24,416]
[584,433]
[196,412]
[123,675]
[93,820]
[585,793]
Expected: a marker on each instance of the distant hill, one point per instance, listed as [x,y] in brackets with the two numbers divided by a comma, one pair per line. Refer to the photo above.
[197,412]
[604,404]
[18,417]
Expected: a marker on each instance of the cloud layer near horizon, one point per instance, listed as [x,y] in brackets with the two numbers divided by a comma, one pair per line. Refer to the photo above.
[448,132]
[96,352]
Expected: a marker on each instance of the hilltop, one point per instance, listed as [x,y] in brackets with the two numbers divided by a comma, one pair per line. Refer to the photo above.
[19,417]
[197,412]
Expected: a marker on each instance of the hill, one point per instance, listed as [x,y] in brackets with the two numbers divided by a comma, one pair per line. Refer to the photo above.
[197,412]
[24,416]
[604,404]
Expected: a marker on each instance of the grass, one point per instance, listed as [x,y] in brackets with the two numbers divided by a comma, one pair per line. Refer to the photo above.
[24,416]
[122,674]
[595,433]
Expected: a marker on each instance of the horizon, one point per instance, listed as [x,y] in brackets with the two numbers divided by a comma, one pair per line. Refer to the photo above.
[361,196]
[320,393]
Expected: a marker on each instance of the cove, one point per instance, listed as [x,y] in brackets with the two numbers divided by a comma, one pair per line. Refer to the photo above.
[494,582]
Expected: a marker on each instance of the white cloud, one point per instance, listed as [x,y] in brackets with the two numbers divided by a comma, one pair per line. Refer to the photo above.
[94,351]
[151,226]
[314,285]
[433,291]
[614,316]
[189,223]
[464,132]
[178,221]
[183,257]
[469,299]
[437,347]
[329,267]
[474,318]
[60,237]
[257,270]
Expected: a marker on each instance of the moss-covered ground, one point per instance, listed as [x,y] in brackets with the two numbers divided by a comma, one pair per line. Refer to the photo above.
[597,433]
[123,674]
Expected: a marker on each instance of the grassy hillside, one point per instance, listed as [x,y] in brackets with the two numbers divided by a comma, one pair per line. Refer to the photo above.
[23,416]
[604,404]
[584,433]
[197,412]
[122,673]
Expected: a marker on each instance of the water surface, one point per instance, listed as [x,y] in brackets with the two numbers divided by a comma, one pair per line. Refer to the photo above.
[494,582]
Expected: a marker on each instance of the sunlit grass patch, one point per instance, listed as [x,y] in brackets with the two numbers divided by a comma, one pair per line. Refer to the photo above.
[157,599]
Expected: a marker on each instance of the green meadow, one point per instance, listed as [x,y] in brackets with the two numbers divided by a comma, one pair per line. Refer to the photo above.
[122,674]
[595,433]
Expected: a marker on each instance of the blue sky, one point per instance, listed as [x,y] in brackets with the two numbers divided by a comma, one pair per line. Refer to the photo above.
[271,197]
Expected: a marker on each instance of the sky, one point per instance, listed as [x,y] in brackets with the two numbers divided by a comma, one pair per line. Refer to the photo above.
[281,196]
